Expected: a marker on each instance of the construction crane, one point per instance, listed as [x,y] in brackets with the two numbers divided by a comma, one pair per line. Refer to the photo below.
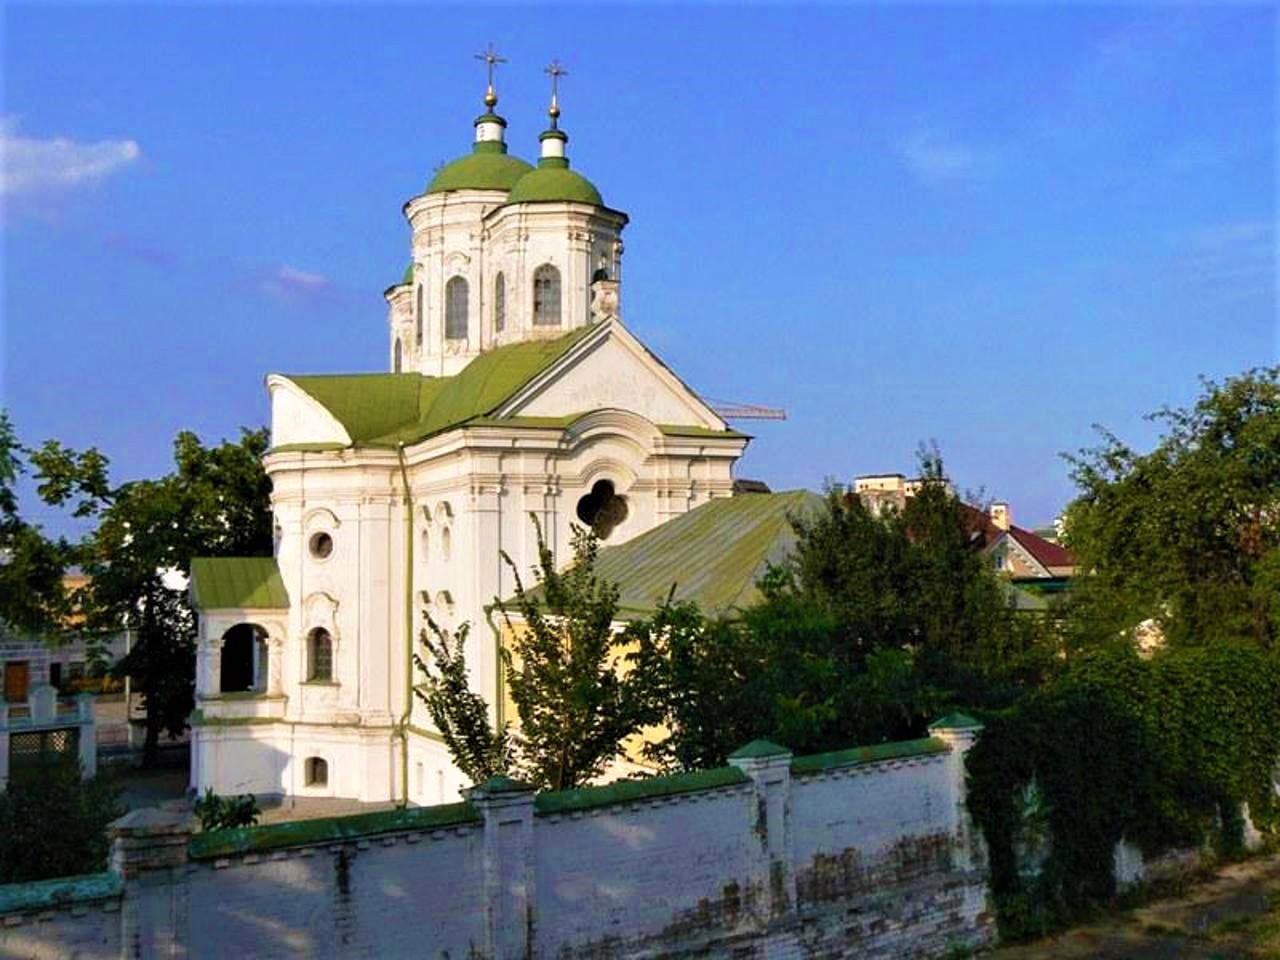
[747,411]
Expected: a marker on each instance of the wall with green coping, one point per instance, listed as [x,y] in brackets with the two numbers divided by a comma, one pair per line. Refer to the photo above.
[63,891]
[296,833]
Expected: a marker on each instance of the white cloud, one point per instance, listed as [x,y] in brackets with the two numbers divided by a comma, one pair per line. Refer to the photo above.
[1237,259]
[935,158]
[30,165]
[291,285]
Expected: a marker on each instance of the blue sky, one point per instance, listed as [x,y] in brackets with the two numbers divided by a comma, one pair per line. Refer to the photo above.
[992,225]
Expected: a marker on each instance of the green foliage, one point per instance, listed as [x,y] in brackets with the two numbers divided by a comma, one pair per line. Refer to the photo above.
[575,707]
[459,713]
[216,502]
[226,813]
[1187,535]
[875,624]
[1160,752]
[31,566]
[53,823]
[703,680]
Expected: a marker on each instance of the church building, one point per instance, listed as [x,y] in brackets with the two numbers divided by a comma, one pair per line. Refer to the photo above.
[514,388]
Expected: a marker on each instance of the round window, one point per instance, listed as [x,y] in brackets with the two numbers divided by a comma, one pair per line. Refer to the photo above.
[321,545]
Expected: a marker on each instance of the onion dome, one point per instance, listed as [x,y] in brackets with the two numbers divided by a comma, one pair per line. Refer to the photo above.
[553,181]
[488,166]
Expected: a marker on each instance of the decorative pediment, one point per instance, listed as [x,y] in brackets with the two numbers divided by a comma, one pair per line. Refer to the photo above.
[297,417]
[611,368]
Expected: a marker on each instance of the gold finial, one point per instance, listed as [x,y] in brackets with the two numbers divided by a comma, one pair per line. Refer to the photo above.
[555,71]
[491,59]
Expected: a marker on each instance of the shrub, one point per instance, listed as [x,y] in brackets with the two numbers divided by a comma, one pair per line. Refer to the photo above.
[223,813]
[53,822]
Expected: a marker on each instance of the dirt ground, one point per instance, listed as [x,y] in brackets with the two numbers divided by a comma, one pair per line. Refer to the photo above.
[1234,916]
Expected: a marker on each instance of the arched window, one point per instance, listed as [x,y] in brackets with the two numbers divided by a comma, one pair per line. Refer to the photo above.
[546,296]
[455,309]
[499,302]
[316,772]
[319,656]
[446,544]
[396,362]
[417,328]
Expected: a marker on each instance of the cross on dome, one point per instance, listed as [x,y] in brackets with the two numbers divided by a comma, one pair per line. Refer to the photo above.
[555,71]
[491,60]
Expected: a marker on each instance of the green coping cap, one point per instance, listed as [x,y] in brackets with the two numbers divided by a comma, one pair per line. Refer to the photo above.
[501,784]
[554,182]
[553,135]
[490,117]
[758,750]
[487,167]
[956,721]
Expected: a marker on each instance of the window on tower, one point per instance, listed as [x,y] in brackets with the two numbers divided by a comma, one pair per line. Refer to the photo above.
[397,360]
[546,296]
[499,302]
[455,309]
[418,317]
[319,656]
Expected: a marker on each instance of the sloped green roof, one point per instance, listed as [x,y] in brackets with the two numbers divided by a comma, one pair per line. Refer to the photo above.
[408,275]
[553,181]
[714,554]
[487,167]
[220,583]
[384,409]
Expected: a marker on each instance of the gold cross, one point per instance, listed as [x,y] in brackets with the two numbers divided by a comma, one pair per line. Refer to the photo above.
[491,59]
[555,71]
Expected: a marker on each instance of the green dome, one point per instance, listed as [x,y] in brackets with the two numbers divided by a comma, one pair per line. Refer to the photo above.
[554,182]
[487,167]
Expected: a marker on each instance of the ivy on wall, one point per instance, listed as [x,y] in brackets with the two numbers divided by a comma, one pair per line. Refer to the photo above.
[1161,752]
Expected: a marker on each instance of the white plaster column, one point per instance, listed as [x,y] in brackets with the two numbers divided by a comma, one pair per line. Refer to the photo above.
[507,808]
[769,767]
[960,732]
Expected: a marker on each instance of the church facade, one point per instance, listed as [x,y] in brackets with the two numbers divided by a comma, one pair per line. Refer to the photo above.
[514,390]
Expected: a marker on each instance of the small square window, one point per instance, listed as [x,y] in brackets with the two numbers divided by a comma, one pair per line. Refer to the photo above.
[317,772]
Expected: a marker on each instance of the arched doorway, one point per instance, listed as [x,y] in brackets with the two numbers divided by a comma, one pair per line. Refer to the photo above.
[244,659]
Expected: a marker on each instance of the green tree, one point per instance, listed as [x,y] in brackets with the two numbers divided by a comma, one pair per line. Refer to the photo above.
[875,623]
[1187,535]
[458,712]
[216,502]
[701,679]
[31,565]
[575,705]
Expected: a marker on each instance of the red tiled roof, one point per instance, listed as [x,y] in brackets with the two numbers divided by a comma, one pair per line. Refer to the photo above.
[1049,554]
[1045,553]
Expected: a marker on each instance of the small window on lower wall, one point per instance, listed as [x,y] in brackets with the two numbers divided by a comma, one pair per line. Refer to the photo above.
[317,772]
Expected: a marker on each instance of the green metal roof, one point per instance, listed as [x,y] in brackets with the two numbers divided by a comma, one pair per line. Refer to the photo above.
[221,583]
[408,275]
[714,554]
[554,182]
[384,409]
[487,167]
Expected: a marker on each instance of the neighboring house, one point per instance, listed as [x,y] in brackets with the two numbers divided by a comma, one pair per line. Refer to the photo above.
[1036,566]
[514,389]
[34,722]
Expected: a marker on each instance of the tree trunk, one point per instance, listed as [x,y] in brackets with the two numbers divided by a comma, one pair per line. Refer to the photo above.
[151,745]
